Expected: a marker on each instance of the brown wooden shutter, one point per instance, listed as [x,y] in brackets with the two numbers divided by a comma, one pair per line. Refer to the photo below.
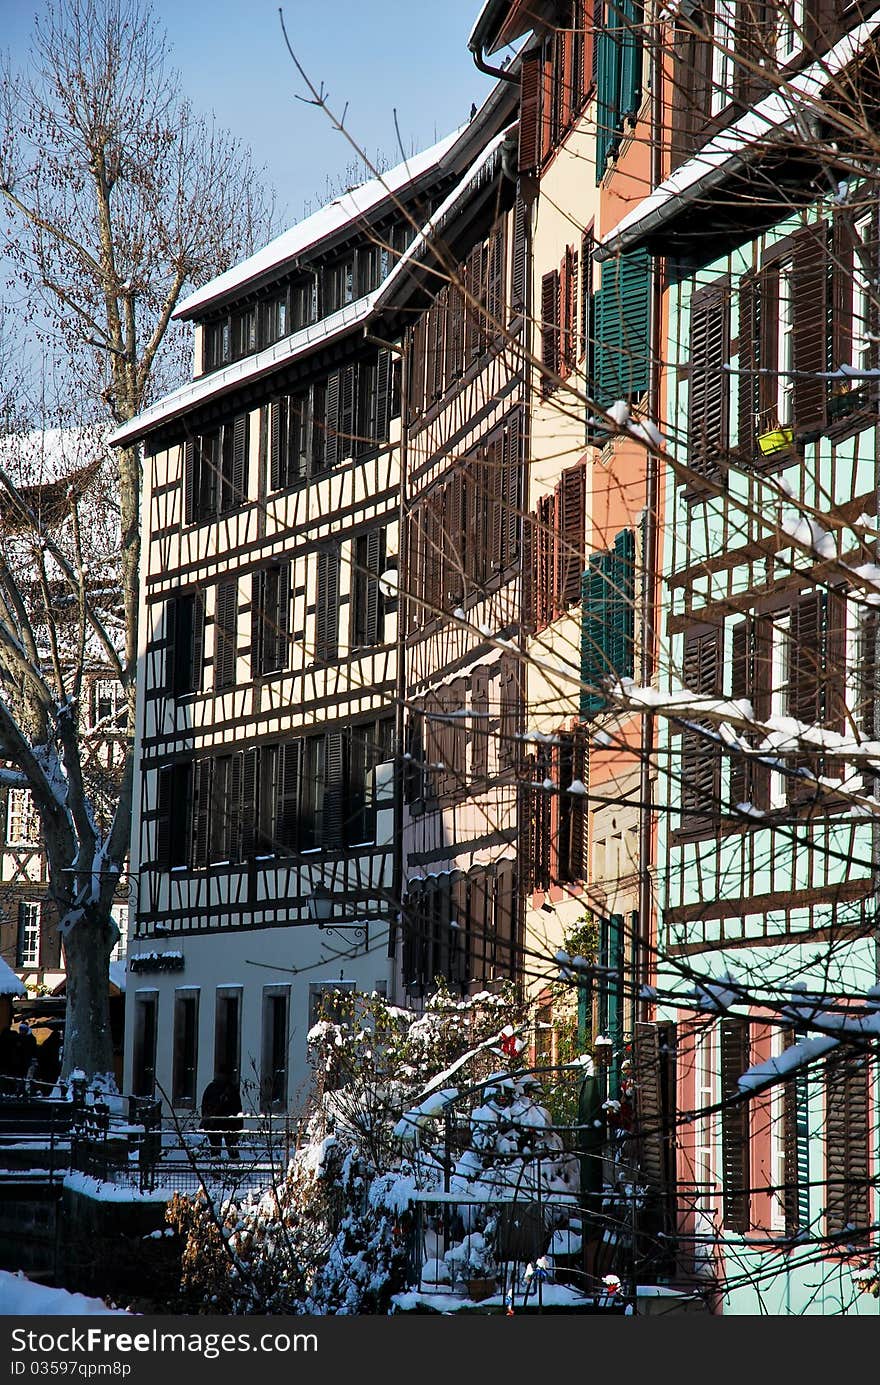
[287,794]
[240,460]
[518,269]
[708,386]
[550,330]
[333,815]
[509,696]
[332,451]
[282,618]
[164,787]
[649,1105]
[327,605]
[249,791]
[276,409]
[510,491]
[735,1133]
[750,392]
[190,501]
[578,863]
[530,111]
[847,1144]
[225,634]
[383,395]
[495,287]
[526,826]
[571,513]
[479,722]
[700,761]
[810,289]
[740,766]
[201,806]
[547,103]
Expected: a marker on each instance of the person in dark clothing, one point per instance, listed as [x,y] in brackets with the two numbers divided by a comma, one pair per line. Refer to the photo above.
[8,1060]
[27,1056]
[221,1114]
[49,1058]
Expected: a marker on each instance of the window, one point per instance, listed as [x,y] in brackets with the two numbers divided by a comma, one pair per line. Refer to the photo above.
[621,349]
[216,471]
[708,389]
[173,815]
[274,1066]
[367,600]
[558,547]
[23,826]
[327,605]
[847,1145]
[790,30]
[108,700]
[27,950]
[607,620]
[553,85]
[225,634]
[290,439]
[185,636]
[723,54]
[705,1096]
[224,818]
[700,786]
[227,1032]
[789,1146]
[270,619]
[618,74]
[186,1047]
[143,1073]
[735,1133]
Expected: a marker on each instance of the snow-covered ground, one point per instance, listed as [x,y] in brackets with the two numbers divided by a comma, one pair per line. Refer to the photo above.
[21,1296]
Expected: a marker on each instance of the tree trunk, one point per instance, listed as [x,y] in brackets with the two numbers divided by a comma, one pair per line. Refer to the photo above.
[88,1043]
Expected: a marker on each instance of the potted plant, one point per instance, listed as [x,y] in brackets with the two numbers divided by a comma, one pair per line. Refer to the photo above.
[480,1272]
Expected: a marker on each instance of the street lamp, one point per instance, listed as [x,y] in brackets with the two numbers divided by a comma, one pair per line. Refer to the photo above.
[320,905]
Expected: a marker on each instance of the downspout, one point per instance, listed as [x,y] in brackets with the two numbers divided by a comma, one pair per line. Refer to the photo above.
[482,66]
[399,679]
[648,603]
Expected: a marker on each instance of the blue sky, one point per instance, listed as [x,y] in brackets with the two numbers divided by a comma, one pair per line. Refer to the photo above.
[375,55]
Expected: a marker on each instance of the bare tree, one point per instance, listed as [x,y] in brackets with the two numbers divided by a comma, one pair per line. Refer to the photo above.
[117,195]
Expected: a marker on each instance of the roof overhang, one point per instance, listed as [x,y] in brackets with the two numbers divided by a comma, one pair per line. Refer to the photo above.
[776,133]
[502,22]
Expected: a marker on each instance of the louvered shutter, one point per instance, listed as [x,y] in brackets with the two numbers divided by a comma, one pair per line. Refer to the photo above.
[571,272]
[287,795]
[334,810]
[249,799]
[496,520]
[607,51]
[708,386]
[810,290]
[453,583]
[866,711]
[233,809]
[375,558]
[594,623]
[547,102]
[479,723]
[383,396]
[276,410]
[622,604]
[239,461]
[550,330]
[258,634]
[164,786]
[282,618]
[509,696]
[190,501]
[572,524]
[700,760]
[347,397]
[649,1105]
[621,337]
[327,610]
[583,53]
[518,269]
[200,813]
[847,1145]
[510,492]
[630,89]
[735,1134]
[171,636]
[197,661]
[530,111]
[505,920]
[578,861]
[225,622]
[332,451]
[495,285]
[526,826]
[750,392]
[796,1148]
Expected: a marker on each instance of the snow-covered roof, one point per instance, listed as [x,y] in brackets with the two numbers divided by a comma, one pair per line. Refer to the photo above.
[9,982]
[327,222]
[249,368]
[731,147]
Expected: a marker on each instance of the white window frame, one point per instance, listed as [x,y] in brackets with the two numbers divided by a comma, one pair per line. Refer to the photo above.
[785,343]
[777,1141]
[790,32]
[23,826]
[28,947]
[723,54]
[862,295]
[705,1162]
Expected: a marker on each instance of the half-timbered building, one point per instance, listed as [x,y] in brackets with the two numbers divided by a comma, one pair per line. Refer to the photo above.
[266,819]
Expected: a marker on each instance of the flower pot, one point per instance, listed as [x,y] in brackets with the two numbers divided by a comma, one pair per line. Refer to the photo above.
[478,1289]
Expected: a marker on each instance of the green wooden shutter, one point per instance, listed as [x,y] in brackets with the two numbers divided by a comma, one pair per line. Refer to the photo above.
[621,329]
[607,64]
[620,605]
[629,90]
[594,664]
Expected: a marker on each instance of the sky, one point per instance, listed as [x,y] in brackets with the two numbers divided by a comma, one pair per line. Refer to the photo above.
[374,55]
